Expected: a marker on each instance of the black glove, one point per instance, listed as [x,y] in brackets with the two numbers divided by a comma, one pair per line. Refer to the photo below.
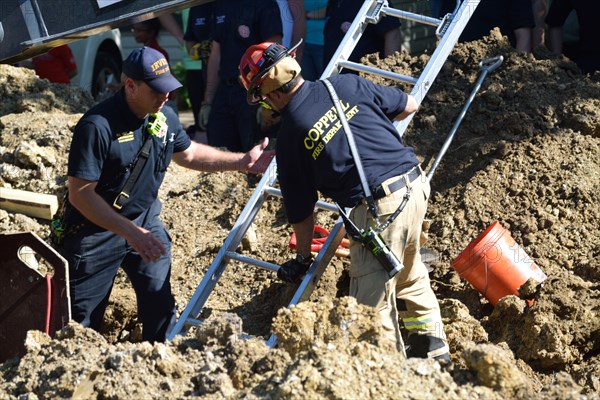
[293,270]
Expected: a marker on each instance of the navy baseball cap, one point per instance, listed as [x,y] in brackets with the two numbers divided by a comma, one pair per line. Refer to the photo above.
[150,65]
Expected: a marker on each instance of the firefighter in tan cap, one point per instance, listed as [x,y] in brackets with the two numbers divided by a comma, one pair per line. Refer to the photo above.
[314,155]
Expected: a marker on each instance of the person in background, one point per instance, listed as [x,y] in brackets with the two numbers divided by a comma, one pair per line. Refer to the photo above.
[170,24]
[586,52]
[198,40]
[540,9]
[57,65]
[313,155]
[382,38]
[312,57]
[293,20]
[146,32]
[229,120]
[435,8]
[520,20]
[513,17]
[112,214]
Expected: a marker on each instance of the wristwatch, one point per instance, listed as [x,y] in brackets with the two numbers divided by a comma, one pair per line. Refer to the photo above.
[304,260]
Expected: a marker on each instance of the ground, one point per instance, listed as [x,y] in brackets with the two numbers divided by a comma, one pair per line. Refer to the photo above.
[526,154]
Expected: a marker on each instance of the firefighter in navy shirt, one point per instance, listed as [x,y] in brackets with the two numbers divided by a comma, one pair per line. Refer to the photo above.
[382,38]
[313,156]
[231,122]
[112,220]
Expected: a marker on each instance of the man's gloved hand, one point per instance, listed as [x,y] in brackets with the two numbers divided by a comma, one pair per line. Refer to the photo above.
[201,51]
[294,270]
[203,116]
[195,52]
[204,50]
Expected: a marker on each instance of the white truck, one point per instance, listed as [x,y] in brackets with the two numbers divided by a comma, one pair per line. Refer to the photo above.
[32,27]
[98,59]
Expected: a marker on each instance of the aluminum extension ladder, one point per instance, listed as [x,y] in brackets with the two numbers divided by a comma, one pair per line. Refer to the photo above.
[448,31]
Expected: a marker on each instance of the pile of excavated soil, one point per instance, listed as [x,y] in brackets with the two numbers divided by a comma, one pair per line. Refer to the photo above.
[526,154]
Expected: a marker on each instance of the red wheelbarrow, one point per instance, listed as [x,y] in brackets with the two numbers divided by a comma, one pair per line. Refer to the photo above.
[34,285]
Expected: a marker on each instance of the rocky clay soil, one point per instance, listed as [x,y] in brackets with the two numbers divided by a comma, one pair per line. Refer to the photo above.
[527,154]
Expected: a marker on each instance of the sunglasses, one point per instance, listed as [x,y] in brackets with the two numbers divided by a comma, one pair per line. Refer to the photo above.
[254,97]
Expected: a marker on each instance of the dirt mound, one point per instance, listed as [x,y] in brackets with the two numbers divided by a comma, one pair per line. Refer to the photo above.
[526,154]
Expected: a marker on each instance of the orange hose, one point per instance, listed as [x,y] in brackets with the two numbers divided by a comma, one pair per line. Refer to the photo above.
[318,242]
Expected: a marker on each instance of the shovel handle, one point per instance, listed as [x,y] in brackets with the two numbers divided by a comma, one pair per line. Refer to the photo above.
[486,65]
[490,64]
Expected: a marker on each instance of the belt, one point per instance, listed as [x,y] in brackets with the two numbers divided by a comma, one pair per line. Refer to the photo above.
[379,191]
[230,82]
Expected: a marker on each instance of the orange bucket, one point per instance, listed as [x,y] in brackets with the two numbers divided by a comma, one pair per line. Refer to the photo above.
[496,265]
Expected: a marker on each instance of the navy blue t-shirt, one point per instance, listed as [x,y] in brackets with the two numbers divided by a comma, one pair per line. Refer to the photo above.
[587,14]
[238,24]
[106,142]
[339,16]
[199,23]
[508,15]
[312,147]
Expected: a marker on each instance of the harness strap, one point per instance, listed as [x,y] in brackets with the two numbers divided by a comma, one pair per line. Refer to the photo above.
[352,144]
[123,196]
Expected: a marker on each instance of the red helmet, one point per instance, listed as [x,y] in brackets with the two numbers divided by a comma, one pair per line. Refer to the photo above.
[256,63]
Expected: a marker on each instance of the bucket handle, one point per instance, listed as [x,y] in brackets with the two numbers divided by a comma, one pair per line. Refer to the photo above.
[485,268]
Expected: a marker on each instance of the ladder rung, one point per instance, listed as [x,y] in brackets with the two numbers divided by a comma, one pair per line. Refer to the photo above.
[423,19]
[197,322]
[252,261]
[193,322]
[365,68]
[273,191]
[320,204]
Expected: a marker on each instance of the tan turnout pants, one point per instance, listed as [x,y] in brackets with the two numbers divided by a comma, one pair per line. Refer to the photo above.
[370,284]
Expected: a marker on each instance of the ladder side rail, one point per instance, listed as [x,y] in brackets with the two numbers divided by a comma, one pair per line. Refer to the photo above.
[352,37]
[196,303]
[323,258]
[438,58]
[249,212]
[316,270]
[217,267]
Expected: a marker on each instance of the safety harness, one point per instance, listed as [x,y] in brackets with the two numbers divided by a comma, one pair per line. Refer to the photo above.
[59,226]
[370,237]
[156,123]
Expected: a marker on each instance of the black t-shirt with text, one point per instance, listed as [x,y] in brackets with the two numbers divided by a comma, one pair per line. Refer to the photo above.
[312,147]
[238,24]
[106,143]
[339,16]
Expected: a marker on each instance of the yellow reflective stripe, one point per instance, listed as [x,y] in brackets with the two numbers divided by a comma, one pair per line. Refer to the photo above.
[412,323]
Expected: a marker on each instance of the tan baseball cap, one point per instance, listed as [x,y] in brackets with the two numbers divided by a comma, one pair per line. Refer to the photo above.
[283,72]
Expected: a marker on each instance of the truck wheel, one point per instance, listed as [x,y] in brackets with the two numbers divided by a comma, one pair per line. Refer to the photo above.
[107,71]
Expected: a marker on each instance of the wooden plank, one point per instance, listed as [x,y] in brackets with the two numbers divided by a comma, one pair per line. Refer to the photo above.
[37,205]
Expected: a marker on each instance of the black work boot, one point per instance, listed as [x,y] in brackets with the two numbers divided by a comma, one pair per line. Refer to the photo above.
[423,346]
[294,270]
